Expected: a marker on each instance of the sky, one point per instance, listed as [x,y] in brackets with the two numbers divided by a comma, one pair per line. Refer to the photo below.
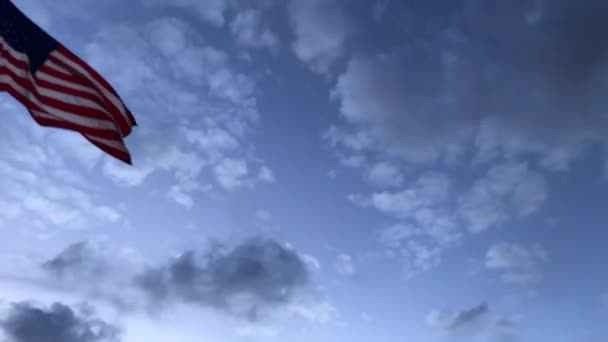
[317,170]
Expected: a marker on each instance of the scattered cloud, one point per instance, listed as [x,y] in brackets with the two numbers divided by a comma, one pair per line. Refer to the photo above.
[452,320]
[422,100]
[508,190]
[266,175]
[386,175]
[321,29]
[25,322]
[210,11]
[313,263]
[427,225]
[345,265]
[518,264]
[175,138]
[249,31]
[230,173]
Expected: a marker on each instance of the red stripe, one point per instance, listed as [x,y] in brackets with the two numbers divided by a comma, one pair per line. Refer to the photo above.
[14,61]
[59,123]
[55,103]
[124,126]
[69,91]
[118,154]
[64,51]
[67,74]
[74,77]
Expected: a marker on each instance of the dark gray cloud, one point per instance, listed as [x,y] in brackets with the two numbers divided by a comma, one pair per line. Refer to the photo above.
[246,281]
[515,77]
[25,322]
[77,261]
[468,316]
[448,320]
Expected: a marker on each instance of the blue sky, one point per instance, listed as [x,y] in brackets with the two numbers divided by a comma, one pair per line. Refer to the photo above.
[318,170]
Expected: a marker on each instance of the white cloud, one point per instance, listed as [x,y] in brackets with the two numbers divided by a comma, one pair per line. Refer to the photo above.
[211,11]
[385,174]
[518,264]
[263,215]
[429,191]
[426,223]
[321,30]
[507,190]
[248,29]
[313,263]
[266,175]
[344,265]
[230,173]
[313,309]
[199,109]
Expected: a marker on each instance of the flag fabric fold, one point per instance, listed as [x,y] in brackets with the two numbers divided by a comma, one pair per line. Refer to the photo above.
[57,87]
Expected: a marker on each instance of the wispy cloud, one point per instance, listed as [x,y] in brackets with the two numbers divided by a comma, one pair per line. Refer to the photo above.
[518,264]
[321,30]
[451,320]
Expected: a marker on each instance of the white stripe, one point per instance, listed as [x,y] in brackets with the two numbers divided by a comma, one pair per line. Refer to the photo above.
[17,55]
[64,97]
[115,144]
[56,112]
[52,79]
[67,98]
[71,99]
[117,103]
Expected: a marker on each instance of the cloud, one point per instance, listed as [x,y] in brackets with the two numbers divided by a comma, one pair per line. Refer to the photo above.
[508,190]
[429,191]
[249,31]
[41,177]
[452,320]
[25,322]
[211,11]
[199,107]
[230,173]
[431,212]
[518,264]
[458,86]
[77,262]
[321,30]
[427,223]
[385,175]
[247,281]
[344,265]
[256,279]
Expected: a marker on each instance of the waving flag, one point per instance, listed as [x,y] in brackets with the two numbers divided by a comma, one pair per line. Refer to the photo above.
[57,87]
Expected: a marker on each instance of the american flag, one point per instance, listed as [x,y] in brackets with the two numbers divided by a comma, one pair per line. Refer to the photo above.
[57,87]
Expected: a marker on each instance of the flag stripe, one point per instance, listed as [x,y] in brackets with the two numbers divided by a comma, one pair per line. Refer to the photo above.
[112,100]
[47,95]
[63,70]
[57,87]
[103,126]
[121,154]
[52,94]
[56,107]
